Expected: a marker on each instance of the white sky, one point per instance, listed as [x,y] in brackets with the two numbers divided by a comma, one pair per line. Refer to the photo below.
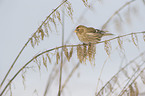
[19,19]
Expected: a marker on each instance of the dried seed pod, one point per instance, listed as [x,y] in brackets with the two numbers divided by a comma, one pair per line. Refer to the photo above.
[54,22]
[41,33]
[136,89]
[66,52]
[38,62]
[91,52]
[79,53]
[134,39]
[120,43]
[144,36]
[125,73]
[84,53]
[131,91]
[57,57]
[44,61]
[142,75]
[46,29]
[107,47]
[86,3]
[69,9]
[48,58]
[70,54]
[49,26]
[58,16]
[32,43]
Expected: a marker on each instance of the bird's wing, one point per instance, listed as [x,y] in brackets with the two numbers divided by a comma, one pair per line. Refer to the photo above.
[90,34]
[94,35]
[91,30]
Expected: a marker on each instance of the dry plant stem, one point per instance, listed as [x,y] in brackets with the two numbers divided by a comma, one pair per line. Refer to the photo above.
[14,63]
[61,65]
[28,42]
[135,78]
[70,75]
[121,70]
[122,91]
[116,12]
[101,72]
[122,36]
[51,78]
[56,49]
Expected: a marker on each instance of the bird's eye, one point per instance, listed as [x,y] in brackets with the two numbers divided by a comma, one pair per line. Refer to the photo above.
[78,29]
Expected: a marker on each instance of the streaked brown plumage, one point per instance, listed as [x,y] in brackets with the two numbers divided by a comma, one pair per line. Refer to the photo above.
[89,34]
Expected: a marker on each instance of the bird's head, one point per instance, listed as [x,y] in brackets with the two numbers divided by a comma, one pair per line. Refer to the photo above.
[80,28]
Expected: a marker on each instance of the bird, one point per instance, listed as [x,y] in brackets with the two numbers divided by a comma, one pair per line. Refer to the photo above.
[89,35]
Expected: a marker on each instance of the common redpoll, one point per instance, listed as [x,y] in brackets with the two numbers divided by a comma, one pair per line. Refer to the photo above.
[89,34]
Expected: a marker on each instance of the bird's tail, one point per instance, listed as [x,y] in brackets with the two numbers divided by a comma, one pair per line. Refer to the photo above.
[106,34]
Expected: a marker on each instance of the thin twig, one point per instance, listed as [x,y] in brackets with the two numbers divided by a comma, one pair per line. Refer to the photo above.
[27,44]
[116,12]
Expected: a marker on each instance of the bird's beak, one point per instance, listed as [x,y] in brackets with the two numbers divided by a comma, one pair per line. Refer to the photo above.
[75,31]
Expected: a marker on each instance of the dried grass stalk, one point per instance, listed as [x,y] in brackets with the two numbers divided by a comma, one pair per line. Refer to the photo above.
[136,89]
[131,91]
[38,62]
[134,39]
[49,26]
[125,73]
[120,43]
[41,33]
[32,42]
[46,29]
[84,53]
[66,52]
[142,75]
[79,53]
[23,78]
[48,57]
[69,9]
[86,3]
[44,61]
[57,57]
[144,36]
[58,16]
[70,54]
[107,47]
[91,52]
